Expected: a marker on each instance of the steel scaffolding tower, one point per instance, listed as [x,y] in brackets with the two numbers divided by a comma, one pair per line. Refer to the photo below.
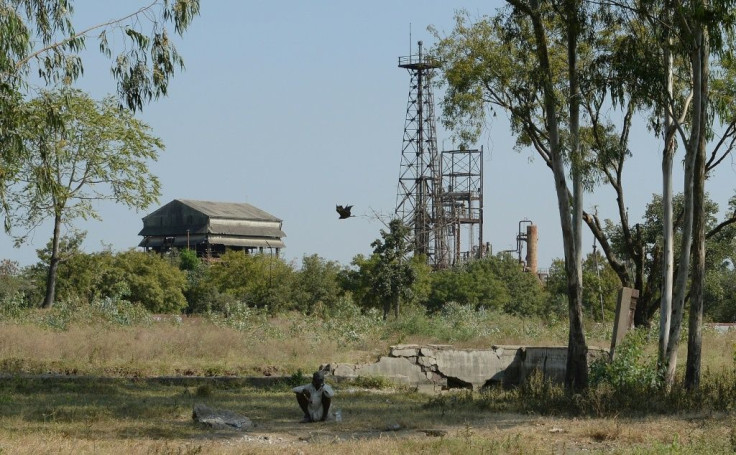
[462,202]
[418,199]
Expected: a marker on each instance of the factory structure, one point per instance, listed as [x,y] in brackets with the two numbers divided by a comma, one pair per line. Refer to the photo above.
[440,193]
[211,228]
[439,197]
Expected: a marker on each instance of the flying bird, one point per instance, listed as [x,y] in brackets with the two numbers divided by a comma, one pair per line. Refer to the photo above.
[344,211]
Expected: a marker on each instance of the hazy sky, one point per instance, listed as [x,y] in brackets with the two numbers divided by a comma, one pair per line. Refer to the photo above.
[296,106]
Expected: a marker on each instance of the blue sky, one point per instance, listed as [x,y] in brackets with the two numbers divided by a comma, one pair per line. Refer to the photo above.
[295,107]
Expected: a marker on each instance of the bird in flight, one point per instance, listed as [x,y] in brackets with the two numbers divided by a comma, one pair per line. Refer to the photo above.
[344,211]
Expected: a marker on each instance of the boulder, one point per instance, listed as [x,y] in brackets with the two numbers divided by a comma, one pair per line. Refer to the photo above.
[220,419]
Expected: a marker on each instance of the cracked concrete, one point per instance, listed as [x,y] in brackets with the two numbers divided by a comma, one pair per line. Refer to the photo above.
[436,367]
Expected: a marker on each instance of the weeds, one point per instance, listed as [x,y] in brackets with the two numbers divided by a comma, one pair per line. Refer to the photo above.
[373,382]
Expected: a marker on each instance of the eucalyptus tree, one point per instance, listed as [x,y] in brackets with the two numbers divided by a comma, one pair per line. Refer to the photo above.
[700,32]
[79,151]
[529,61]
[41,47]
[393,274]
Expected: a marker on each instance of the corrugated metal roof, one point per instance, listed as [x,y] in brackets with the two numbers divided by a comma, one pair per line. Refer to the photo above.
[173,230]
[232,210]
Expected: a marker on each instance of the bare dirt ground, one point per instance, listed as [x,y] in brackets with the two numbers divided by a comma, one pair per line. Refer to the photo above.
[498,433]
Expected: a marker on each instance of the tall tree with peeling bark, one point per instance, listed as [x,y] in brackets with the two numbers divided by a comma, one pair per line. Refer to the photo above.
[687,31]
[79,151]
[529,68]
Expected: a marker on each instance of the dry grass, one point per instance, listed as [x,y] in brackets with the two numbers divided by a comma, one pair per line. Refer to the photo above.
[273,346]
[135,416]
[129,415]
[192,347]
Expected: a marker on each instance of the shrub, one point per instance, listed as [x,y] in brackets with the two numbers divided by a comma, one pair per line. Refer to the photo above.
[259,280]
[154,282]
[631,368]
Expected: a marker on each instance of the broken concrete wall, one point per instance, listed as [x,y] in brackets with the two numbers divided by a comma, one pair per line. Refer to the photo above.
[436,367]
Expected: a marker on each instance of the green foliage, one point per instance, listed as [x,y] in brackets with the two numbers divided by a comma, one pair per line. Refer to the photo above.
[259,280]
[467,286]
[494,282]
[720,278]
[393,275]
[78,151]
[15,287]
[357,281]
[153,281]
[600,288]
[631,368]
[189,261]
[298,378]
[72,311]
[77,276]
[43,49]
[146,279]
[316,288]
[388,274]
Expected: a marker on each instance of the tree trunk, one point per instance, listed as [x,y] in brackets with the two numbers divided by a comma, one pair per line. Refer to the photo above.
[397,302]
[678,299]
[48,300]
[576,373]
[668,253]
[576,377]
[694,342]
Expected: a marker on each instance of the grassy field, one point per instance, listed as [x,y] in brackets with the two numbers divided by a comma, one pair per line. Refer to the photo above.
[115,406]
[137,416]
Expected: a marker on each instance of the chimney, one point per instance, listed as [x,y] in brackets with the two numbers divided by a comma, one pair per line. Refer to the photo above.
[531,248]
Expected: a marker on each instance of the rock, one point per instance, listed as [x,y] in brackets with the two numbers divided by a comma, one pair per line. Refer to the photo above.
[427,361]
[220,419]
[344,370]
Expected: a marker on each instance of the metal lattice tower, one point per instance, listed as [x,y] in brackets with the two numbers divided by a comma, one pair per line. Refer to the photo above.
[462,201]
[418,199]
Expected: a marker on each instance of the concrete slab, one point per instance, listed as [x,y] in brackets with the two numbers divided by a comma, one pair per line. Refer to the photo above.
[395,368]
[474,367]
[404,350]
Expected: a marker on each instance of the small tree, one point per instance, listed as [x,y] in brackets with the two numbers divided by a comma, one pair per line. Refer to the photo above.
[42,48]
[78,151]
[393,275]
[316,285]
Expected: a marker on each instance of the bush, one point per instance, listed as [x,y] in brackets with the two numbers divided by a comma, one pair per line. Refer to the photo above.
[631,368]
[493,283]
[154,282]
[259,280]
